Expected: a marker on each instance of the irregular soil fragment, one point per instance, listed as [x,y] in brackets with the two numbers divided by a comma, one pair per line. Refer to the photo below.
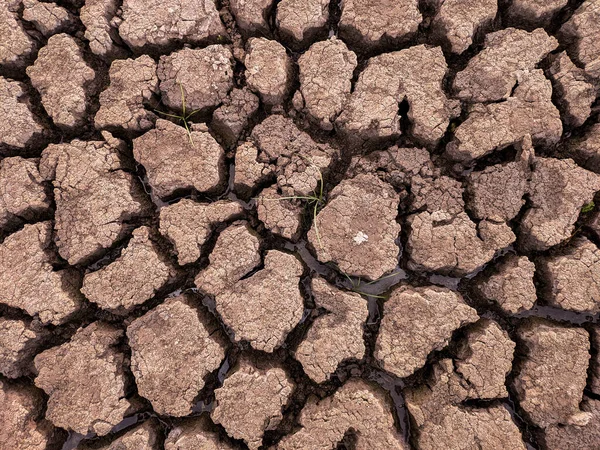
[416,322]
[160,24]
[48,18]
[132,278]
[175,160]
[534,13]
[494,126]
[20,340]
[585,149]
[280,215]
[334,336]
[173,348]
[22,191]
[358,408]
[188,224]
[20,409]
[326,71]
[453,244]
[142,437]
[252,15]
[357,228]
[379,23]
[85,380]
[19,126]
[268,70]
[553,213]
[64,80]
[581,435]
[438,194]
[17,47]
[235,255]
[551,379]
[249,172]
[581,35]
[251,401]
[194,435]
[232,117]
[98,17]
[414,74]
[492,74]
[28,280]
[93,195]
[456,21]
[204,75]
[511,286]
[484,359]
[572,277]
[133,82]
[574,90]
[266,306]
[301,21]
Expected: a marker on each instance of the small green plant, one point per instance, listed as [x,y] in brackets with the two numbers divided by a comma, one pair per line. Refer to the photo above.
[588,208]
[184,117]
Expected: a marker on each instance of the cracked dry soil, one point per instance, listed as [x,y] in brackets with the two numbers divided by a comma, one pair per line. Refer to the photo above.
[299,224]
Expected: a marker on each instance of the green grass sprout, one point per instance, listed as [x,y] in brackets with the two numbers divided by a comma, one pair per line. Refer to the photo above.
[184,117]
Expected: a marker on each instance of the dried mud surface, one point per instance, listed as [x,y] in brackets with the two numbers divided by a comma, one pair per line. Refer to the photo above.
[299,224]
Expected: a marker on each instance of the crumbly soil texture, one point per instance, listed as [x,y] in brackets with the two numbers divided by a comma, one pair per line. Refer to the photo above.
[299,224]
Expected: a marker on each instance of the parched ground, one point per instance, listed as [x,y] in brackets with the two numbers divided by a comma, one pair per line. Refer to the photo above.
[299,224]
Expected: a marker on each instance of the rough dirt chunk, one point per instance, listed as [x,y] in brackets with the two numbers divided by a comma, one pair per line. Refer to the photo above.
[334,336]
[534,13]
[132,83]
[551,379]
[22,192]
[280,215]
[300,162]
[251,401]
[188,224]
[437,194]
[511,286]
[64,80]
[492,74]
[160,24]
[16,46]
[484,359]
[456,21]
[175,160]
[581,435]
[497,192]
[357,228]
[572,277]
[28,280]
[453,244]
[357,408]
[19,342]
[252,16]
[575,92]
[494,126]
[326,71]
[194,435]
[379,23]
[301,21]
[266,306]
[233,116]
[100,28]
[553,213]
[85,380]
[439,421]
[48,18]
[19,126]
[173,348]
[205,76]
[416,322]
[235,255]
[585,149]
[581,35]
[415,74]
[249,172]
[142,437]
[268,70]
[20,409]
[132,278]
[93,195]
